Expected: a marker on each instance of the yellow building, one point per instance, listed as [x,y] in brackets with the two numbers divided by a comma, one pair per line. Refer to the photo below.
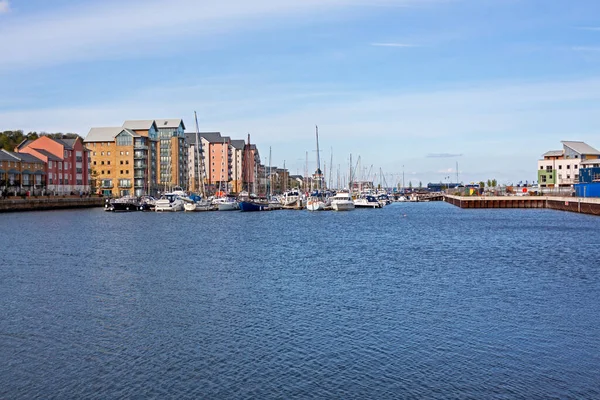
[140,157]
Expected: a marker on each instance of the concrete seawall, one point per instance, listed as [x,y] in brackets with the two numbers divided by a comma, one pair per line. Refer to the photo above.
[582,205]
[49,203]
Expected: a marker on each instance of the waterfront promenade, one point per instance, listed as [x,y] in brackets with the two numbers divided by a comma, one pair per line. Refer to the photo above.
[48,203]
[583,205]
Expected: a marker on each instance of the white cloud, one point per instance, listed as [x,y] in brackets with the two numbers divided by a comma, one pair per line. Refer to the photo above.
[112,28]
[4,6]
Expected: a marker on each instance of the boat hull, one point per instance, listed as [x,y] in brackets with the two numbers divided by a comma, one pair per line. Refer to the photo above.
[315,205]
[228,207]
[342,206]
[247,206]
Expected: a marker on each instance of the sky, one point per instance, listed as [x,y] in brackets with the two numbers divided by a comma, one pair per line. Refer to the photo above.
[411,88]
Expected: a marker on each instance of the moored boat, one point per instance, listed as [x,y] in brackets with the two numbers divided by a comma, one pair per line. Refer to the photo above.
[342,201]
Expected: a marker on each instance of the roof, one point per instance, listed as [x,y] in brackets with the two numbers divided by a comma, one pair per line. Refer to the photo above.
[169,123]
[580,147]
[24,143]
[212,137]
[6,155]
[50,156]
[102,134]
[138,125]
[553,153]
[190,138]
[28,158]
[68,143]
[238,144]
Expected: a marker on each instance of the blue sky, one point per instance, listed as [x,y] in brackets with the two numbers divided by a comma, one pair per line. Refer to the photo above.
[411,86]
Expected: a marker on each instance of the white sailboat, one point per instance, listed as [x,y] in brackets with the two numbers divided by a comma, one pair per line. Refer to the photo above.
[202,203]
[316,201]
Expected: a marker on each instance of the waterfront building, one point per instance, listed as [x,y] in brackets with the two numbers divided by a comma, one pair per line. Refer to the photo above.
[66,163]
[560,168]
[250,167]
[237,155]
[21,172]
[125,160]
[217,160]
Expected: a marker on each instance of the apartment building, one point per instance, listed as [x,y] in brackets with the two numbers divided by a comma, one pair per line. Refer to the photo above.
[560,168]
[21,172]
[237,154]
[66,163]
[137,158]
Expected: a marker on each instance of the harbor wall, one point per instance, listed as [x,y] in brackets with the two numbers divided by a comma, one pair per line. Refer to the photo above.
[49,203]
[572,204]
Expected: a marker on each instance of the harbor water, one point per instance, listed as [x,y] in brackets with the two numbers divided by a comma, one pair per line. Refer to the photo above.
[415,300]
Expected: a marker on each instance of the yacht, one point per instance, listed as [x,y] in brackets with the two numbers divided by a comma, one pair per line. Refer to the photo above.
[169,202]
[226,204]
[342,201]
[367,201]
[290,197]
[317,201]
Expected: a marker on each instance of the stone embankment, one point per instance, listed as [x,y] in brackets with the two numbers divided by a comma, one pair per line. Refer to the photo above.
[11,204]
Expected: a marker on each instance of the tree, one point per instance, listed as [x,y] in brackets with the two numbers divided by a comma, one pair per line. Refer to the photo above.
[494,183]
[420,185]
[410,185]
[489,183]
[482,184]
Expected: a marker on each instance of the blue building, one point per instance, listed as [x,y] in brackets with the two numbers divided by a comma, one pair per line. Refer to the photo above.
[589,179]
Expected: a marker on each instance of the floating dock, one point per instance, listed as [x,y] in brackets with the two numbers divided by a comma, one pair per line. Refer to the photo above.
[584,205]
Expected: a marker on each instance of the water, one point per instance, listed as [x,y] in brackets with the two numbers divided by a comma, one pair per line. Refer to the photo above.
[411,301]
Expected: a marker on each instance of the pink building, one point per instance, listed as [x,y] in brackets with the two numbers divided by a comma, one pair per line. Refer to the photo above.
[66,161]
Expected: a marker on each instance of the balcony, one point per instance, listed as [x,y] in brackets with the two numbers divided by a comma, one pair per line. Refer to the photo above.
[139,174]
[140,166]
[106,185]
[140,155]
[124,184]
[140,147]
[79,159]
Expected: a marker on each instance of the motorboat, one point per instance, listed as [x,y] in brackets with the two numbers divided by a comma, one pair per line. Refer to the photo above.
[367,201]
[169,202]
[342,201]
[226,204]
[290,197]
[197,203]
[147,203]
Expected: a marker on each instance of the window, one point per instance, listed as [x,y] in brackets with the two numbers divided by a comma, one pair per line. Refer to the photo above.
[102,172]
[121,153]
[126,153]
[127,171]
[127,162]
[124,140]
[101,162]
[108,172]
[108,153]
[121,172]
[50,164]
[121,161]
[108,162]
[101,153]
[94,153]
[575,166]
[568,176]
[559,166]
[569,166]
[94,162]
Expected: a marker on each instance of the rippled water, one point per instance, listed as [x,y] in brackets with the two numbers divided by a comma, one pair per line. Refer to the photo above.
[414,300]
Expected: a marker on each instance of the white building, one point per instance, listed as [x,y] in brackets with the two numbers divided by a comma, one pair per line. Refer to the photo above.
[560,168]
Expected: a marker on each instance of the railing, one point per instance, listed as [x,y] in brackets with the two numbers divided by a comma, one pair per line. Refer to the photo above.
[109,186]
[124,185]
[140,165]
[140,147]
[140,155]
[79,159]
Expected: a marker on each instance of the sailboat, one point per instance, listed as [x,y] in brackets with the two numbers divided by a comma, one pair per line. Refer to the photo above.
[224,202]
[317,201]
[250,201]
[198,203]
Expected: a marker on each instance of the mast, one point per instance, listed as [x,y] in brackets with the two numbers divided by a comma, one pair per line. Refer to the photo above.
[200,171]
[330,170]
[270,175]
[318,159]
[286,177]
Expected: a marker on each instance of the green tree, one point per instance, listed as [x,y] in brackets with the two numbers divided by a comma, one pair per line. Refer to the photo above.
[494,183]
[420,184]
[409,184]
[489,183]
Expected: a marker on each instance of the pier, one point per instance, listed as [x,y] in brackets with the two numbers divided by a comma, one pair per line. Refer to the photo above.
[49,203]
[584,205]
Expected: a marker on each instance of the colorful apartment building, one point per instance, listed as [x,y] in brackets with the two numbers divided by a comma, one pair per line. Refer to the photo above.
[21,172]
[237,155]
[560,168]
[125,160]
[66,163]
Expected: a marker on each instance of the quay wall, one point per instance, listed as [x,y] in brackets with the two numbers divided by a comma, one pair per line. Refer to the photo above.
[583,205]
[49,203]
